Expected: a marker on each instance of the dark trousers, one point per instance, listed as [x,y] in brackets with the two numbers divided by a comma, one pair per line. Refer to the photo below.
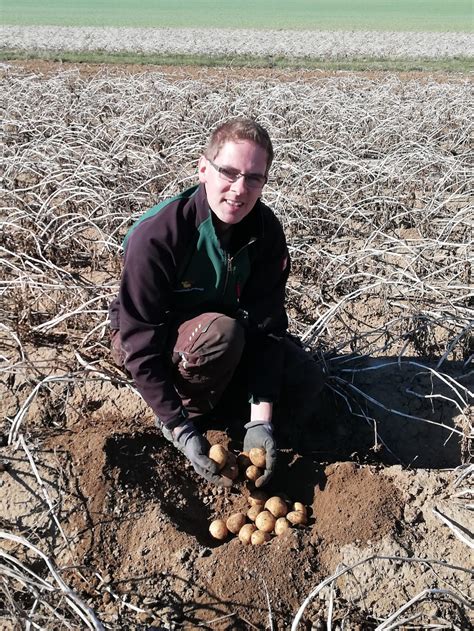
[208,364]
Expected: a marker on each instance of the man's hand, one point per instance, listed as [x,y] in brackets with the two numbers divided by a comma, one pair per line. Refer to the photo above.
[195,447]
[260,434]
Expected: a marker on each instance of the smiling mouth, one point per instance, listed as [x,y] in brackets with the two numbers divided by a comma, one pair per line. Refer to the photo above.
[234,204]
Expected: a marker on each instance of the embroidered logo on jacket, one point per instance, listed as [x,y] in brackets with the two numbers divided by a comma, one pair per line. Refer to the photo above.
[187,285]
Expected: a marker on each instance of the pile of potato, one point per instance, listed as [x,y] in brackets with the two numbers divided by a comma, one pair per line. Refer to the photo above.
[266,516]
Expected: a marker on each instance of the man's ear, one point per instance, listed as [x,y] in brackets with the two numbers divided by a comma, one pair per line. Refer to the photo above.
[202,169]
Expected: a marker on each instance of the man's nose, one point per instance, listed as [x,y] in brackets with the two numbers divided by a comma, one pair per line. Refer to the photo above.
[240,184]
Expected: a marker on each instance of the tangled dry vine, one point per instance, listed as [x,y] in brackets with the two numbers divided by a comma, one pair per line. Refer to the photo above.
[195,41]
[371,182]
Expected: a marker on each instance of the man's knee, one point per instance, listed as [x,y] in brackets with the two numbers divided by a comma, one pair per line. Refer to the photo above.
[229,332]
[116,350]
[210,339]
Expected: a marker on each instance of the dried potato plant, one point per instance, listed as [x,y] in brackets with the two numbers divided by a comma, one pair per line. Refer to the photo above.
[371,180]
[325,45]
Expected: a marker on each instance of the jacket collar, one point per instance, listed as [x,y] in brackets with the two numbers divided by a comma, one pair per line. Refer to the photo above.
[249,229]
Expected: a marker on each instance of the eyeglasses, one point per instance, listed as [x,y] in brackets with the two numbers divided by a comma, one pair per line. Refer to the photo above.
[253,180]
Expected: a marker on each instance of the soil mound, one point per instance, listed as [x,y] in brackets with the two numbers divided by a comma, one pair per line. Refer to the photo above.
[141,516]
[356,504]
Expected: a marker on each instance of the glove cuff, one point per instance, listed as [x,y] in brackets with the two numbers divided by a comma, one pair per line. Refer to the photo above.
[268,425]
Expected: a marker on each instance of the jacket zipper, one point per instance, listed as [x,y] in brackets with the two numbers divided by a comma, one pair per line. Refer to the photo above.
[227,272]
[229,261]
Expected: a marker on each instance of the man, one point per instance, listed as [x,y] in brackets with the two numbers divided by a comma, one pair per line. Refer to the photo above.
[202,291]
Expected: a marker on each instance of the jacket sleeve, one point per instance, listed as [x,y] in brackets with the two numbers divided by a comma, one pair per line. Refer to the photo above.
[144,297]
[264,300]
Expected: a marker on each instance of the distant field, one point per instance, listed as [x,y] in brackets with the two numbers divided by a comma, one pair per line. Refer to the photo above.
[381,15]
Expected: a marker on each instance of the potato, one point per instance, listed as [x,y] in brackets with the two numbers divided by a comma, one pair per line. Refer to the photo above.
[259,537]
[253,472]
[235,522]
[265,521]
[218,529]
[230,471]
[257,497]
[245,533]
[276,506]
[296,517]
[298,506]
[282,525]
[257,457]
[243,461]
[219,454]
[253,511]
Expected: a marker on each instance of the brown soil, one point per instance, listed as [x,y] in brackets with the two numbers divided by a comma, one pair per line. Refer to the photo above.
[179,73]
[161,513]
[137,516]
[374,509]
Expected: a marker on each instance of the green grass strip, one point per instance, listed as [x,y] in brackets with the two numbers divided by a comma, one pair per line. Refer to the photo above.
[456,64]
[347,15]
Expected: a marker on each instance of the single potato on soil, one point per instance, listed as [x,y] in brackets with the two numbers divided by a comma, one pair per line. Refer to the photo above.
[276,506]
[265,521]
[245,533]
[296,517]
[298,506]
[235,522]
[259,537]
[218,529]
[253,511]
[281,525]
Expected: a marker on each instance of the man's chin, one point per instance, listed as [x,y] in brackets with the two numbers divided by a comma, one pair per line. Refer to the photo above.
[230,219]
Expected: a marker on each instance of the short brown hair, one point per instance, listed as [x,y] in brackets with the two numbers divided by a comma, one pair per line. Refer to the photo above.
[239,129]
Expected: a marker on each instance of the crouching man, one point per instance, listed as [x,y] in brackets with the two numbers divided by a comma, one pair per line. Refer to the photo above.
[203,290]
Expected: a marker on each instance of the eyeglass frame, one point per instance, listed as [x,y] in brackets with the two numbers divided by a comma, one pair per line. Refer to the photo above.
[238,175]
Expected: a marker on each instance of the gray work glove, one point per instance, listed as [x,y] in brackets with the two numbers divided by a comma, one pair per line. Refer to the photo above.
[195,447]
[260,434]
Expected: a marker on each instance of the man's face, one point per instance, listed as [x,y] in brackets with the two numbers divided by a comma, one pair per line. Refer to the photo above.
[232,201]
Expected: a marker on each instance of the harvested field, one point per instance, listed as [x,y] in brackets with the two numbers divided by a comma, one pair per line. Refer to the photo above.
[103,524]
[291,44]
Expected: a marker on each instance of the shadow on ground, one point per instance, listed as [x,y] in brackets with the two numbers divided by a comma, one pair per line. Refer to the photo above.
[371,410]
[144,461]
[381,410]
